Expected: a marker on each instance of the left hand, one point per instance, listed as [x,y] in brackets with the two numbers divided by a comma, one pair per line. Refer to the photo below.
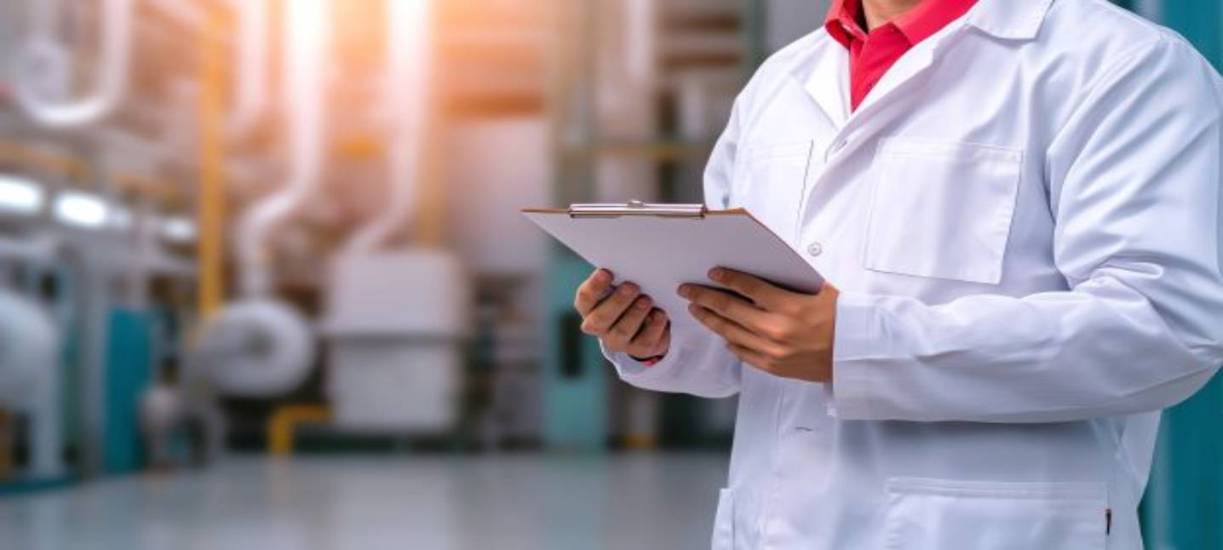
[784,333]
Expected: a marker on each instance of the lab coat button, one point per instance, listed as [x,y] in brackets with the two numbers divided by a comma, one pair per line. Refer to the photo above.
[815,249]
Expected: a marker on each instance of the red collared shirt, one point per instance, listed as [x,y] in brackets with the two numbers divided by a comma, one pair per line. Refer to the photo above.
[872,54]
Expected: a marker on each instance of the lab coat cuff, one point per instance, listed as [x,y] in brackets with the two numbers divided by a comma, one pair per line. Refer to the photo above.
[856,337]
[637,372]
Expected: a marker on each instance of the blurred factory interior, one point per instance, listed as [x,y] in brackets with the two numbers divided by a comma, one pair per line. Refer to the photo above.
[263,282]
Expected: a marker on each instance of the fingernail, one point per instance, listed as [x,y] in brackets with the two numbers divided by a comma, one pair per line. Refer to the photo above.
[642,303]
[605,275]
[626,290]
[685,291]
[717,274]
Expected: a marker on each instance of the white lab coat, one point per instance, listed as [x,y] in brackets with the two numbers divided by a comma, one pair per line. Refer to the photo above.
[1024,220]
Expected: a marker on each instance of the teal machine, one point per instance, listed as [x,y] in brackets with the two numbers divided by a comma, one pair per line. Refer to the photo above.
[1182,508]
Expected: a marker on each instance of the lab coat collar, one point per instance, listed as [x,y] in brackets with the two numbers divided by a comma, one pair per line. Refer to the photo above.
[824,75]
[1009,19]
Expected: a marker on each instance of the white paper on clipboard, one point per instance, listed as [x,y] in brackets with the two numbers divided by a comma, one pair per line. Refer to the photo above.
[660,246]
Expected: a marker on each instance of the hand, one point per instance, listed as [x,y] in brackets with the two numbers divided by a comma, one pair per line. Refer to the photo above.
[622,318]
[781,332]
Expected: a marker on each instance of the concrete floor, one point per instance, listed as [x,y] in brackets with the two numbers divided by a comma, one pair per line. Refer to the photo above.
[504,502]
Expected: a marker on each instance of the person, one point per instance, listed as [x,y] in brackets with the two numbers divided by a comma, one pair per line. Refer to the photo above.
[1017,205]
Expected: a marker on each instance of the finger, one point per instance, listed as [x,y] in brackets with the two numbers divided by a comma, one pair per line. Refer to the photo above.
[592,291]
[652,333]
[725,304]
[752,357]
[629,324]
[605,314]
[766,295]
[733,332]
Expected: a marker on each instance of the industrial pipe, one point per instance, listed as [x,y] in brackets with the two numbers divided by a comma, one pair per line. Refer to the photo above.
[304,83]
[407,98]
[250,93]
[42,61]
[640,37]
[260,346]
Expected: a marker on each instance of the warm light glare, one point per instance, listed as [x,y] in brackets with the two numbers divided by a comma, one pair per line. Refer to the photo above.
[20,195]
[81,210]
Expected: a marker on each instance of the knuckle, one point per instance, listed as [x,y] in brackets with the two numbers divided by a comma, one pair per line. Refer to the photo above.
[622,329]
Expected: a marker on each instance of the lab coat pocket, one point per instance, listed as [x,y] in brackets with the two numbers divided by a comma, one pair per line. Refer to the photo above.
[941,210]
[724,522]
[773,186]
[931,514]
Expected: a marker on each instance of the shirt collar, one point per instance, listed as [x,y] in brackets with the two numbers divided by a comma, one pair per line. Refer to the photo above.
[917,25]
[1008,19]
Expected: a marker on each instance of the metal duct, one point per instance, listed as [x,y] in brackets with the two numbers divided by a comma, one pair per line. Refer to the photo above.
[42,65]
[407,98]
[304,84]
[250,94]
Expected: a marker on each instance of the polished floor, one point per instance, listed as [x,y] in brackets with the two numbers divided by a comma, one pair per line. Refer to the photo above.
[504,502]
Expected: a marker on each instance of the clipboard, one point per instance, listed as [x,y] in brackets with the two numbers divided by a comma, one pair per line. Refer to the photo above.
[660,246]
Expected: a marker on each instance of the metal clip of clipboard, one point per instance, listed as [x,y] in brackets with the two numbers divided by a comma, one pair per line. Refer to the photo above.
[636,208]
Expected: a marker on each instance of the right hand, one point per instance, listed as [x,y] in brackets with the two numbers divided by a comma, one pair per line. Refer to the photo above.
[622,317]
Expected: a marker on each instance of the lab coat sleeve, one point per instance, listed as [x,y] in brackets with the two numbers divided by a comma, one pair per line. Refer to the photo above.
[698,362]
[1134,184]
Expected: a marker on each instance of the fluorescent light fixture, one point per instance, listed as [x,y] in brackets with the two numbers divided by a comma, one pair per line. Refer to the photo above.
[20,195]
[178,229]
[81,209]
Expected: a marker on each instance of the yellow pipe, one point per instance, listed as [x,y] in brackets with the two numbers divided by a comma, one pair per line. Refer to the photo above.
[63,165]
[284,422]
[211,204]
[42,161]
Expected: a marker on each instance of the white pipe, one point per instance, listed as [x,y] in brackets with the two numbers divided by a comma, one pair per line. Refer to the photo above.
[408,98]
[640,35]
[304,84]
[42,53]
[250,94]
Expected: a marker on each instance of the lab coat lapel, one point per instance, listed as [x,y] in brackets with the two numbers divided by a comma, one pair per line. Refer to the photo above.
[1007,19]
[828,83]
[888,98]
[885,103]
